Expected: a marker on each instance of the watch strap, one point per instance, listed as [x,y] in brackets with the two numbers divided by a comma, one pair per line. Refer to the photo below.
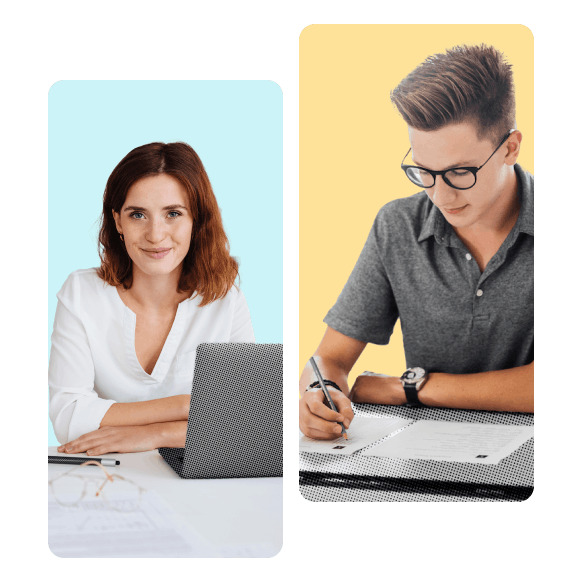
[411,394]
[316,386]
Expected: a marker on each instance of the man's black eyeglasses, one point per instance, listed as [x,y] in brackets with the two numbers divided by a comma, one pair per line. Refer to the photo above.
[458,178]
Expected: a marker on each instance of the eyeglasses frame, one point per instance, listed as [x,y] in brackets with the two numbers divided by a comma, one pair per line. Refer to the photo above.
[442,173]
[85,478]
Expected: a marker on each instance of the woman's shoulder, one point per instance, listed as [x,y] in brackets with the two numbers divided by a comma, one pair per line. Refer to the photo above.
[81,283]
[236,295]
[84,278]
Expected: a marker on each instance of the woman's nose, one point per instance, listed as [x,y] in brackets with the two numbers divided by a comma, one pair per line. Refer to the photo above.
[155,231]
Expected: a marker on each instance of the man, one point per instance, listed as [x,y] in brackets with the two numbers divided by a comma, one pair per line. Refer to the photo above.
[454,262]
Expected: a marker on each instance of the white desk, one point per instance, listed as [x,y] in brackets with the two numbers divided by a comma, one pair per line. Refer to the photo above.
[227,512]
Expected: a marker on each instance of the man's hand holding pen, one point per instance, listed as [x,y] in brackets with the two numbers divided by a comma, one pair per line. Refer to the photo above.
[317,420]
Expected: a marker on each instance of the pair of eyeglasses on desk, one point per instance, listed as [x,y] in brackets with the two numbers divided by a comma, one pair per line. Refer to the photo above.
[71,487]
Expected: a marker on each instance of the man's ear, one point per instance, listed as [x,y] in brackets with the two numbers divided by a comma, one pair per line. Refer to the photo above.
[512,147]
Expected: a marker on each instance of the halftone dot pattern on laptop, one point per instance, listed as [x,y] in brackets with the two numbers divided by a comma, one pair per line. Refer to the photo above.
[516,470]
[235,426]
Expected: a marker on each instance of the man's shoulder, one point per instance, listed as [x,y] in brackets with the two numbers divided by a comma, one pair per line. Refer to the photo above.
[403,216]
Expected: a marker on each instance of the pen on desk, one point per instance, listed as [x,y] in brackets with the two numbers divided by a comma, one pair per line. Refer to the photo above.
[81,460]
[324,388]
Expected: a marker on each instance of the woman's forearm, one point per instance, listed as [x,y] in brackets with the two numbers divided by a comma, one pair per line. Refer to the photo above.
[173,434]
[161,410]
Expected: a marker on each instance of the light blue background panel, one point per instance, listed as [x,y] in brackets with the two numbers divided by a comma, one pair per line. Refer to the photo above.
[236,129]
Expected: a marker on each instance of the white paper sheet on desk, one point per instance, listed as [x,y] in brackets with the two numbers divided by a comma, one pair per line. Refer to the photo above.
[460,442]
[362,432]
[92,530]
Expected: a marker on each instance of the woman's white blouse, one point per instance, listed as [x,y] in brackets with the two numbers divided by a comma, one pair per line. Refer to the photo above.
[93,363]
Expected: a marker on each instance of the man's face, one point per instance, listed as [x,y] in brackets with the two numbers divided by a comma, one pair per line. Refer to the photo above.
[455,146]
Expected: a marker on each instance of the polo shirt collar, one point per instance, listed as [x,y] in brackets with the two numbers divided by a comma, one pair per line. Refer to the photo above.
[525,222]
[436,225]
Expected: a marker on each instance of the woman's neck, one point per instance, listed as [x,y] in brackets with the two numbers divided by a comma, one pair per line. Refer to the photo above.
[157,293]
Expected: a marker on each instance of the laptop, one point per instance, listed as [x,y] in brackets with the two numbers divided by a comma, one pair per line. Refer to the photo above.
[235,424]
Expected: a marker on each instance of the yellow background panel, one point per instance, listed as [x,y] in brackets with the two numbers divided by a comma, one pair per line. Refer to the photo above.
[352,141]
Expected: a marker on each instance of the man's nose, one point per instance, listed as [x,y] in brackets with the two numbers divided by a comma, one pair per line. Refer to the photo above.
[442,193]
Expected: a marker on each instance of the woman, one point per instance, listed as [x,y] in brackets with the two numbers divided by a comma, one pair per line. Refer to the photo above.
[125,334]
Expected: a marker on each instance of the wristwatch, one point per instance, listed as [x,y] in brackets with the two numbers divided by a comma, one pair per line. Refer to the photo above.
[412,381]
[315,386]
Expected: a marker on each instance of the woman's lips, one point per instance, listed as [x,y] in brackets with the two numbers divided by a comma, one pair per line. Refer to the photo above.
[156,253]
[455,210]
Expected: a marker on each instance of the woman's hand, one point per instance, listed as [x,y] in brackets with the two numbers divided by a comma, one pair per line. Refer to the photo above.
[378,389]
[116,439]
[317,421]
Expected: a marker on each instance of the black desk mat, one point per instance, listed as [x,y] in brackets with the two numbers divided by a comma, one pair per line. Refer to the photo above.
[360,478]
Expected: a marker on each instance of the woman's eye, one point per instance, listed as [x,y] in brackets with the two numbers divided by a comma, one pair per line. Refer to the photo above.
[173,214]
[460,172]
[136,214]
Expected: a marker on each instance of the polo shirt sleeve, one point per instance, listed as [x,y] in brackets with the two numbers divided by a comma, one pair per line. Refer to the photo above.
[75,408]
[366,309]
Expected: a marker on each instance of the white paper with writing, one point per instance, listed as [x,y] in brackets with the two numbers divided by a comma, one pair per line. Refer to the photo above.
[362,432]
[460,442]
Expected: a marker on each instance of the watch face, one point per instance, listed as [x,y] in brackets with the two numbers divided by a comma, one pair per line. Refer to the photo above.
[413,375]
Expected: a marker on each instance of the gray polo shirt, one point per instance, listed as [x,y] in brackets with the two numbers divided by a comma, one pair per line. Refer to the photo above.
[454,318]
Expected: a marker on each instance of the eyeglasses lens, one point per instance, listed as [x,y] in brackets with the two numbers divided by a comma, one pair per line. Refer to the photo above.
[68,490]
[420,177]
[461,178]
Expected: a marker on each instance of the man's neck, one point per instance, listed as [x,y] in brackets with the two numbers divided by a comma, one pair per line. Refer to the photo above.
[500,218]
[484,238]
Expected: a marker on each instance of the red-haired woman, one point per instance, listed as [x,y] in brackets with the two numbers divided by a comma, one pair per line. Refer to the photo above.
[125,334]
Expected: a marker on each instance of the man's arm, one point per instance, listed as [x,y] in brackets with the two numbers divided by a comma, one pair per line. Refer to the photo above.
[335,357]
[510,390]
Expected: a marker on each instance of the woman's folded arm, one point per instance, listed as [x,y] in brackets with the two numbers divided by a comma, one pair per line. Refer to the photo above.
[169,409]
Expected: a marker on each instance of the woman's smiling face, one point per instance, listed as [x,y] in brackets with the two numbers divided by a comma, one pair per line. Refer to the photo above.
[156,224]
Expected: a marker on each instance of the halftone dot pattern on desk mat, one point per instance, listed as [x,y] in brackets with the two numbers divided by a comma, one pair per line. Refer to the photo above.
[235,426]
[384,479]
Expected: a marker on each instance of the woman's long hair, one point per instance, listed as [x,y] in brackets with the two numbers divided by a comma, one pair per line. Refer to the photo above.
[208,269]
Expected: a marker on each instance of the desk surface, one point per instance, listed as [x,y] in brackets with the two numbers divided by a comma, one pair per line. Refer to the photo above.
[227,512]
[399,479]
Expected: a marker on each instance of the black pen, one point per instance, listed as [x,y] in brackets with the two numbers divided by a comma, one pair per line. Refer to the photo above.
[81,460]
[324,388]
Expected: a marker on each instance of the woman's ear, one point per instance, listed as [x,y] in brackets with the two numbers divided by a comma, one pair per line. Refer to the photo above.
[117,218]
[513,147]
